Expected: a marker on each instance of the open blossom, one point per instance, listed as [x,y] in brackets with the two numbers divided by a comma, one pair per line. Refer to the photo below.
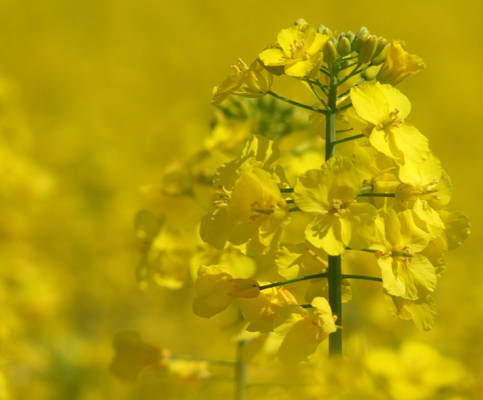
[298,50]
[304,330]
[330,195]
[406,272]
[385,109]
[215,289]
[244,80]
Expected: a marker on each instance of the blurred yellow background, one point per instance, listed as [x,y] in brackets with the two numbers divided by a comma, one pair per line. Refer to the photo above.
[97,96]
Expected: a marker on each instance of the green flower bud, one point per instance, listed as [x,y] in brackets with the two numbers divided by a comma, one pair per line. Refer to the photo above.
[322,29]
[367,49]
[330,52]
[350,35]
[360,37]
[344,46]
[300,22]
[379,58]
[381,44]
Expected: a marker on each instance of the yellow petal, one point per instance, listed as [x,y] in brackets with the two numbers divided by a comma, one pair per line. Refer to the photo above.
[325,233]
[300,342]
[299,69]
[370,102]
[273,57]
[410,142]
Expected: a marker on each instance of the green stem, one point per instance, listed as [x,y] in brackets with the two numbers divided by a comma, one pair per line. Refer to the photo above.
[347,139]
[241,373]
[371,194]
[295,103]
[286,190]
[302,278]
[317,94]
[334,271]
[363,277]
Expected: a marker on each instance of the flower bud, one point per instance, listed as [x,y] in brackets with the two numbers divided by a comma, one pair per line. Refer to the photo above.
[344,46]
[371,73]
[330,52]
[322,29]
[367,49]
[381,44]
[300,22]
[350,35]
[359,38]
[379,58]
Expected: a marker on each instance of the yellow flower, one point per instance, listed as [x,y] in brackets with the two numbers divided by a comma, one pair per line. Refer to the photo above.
[303,331]
[399,64]
[215,289]
[251,207]
[298,50]
[406,273]
[247,81]
[133,356]
[330,194]
[385,108]
[416,372]
[421,311]
[260,312]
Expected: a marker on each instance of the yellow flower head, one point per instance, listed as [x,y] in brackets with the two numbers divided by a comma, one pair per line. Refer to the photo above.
[252,208]
[298,50]
[247,81]
[385,109]
[330,194]
[304,330]
[260,311]
[406,273]
[215,289]
[133,356]
[399,64]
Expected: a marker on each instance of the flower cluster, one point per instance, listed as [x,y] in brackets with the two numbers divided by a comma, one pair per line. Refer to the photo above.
[289,203]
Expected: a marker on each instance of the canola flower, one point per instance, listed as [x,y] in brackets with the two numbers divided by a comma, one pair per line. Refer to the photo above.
[288,207]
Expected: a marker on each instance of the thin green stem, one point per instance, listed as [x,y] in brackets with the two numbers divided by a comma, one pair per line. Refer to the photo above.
[289,281]
[286,190]
[344,107]
[295,103]
[344,130]
[334,271]
[372,194]
[363,277]
[349,66]
[347,139]
[317,94]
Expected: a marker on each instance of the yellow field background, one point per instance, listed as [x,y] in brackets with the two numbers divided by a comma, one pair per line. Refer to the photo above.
[97,96]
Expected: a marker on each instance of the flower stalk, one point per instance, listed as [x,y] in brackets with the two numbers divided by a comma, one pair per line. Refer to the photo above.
[334,271]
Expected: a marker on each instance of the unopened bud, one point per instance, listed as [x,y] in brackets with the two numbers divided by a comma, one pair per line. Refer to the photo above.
[322,29]
[344,46]
[379,58]
[360,37]
[300,22]
[330,52]
[381,44]
[370,73]
[350,35]
[367,49]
